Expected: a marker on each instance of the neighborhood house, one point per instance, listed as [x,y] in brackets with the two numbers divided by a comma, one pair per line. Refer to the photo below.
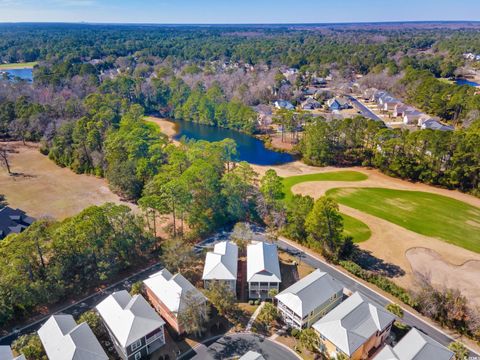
[355,328]
[134,326]
[171,294]
[63,339]
[221,265]
[310,298]
[13,221]
[263,270]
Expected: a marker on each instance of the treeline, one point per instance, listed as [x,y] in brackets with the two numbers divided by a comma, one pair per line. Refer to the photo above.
[51,260]
[445,158]
[447,101]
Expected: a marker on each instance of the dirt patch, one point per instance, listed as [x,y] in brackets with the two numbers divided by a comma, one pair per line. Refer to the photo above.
[463,277]
[41,188]
[473,223]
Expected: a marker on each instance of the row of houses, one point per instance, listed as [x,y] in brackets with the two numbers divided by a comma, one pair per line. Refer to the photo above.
[410,116]
[471,56]
[263,268]
[353,328]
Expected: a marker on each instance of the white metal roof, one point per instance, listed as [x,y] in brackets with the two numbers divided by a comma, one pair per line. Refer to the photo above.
[252,355]
[128,317]
[262,263]
[415,346]
[352,323]
[221,264]
[172,290]
[7,354]
[310,292]
[63,339]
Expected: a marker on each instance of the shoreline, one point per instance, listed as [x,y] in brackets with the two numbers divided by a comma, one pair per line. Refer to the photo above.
[19,66]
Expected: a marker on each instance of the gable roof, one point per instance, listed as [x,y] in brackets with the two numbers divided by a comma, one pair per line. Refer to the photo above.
[310,292]
[63,339]
[172,290]
[7,354]
[128,317]
[433,124]
[252,355]
[222,262]
[415,346]
[262,263]
[352,323]
[13,221]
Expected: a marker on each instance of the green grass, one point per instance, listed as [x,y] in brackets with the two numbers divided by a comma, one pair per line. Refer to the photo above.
[352,227]
[428,214]
[26,65]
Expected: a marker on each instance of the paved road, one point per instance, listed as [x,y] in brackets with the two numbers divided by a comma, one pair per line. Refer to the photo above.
[238,344]
[364,110]
[85,304]
[376,298]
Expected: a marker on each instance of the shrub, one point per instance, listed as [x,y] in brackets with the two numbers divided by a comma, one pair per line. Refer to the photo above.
[250,302]
[257,302]
[395,310]
[295,332]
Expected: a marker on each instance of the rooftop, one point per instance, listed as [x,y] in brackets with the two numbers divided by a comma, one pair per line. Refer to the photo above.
[13,221]
[222,262]
[262,263]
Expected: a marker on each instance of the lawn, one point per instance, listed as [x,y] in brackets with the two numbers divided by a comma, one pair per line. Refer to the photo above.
[13,66]
[353,227]
[428,214]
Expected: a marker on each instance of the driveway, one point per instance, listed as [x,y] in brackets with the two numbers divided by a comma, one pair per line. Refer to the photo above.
[238,344]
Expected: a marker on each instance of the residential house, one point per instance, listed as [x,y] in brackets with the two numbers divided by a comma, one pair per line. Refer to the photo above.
[400,109]
[7,354]
[415,346]
[263,270]
[310,104]
[319,81]
[171,294]
[379,94]
[310,298]
[433,124]
[264,115]
[367,94]
[252,355]
[355,328]
[389,104]
[13,221]
[135,328]
[411,117]
[283,104]
[337,104]
[221,265]
[63,339]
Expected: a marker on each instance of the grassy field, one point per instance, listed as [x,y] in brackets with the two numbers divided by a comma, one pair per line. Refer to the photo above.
[27,65]
[428,214]
[353,227]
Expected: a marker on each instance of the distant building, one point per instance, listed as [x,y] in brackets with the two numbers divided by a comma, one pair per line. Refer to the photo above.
[170,295]
[221,264]
[63,339]
[263,270]
[13,221]
[310,298]
[411,117]
[7,354]
[310,104]
[433,124]
[337,104]
[415,346]
[283,104]
[400,109]
[355,328]
[135,328]
[252,355]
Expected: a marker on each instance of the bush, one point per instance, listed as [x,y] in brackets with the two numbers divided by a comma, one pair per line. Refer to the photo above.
[295,332]
[395,310]
[257,302]
[250,302]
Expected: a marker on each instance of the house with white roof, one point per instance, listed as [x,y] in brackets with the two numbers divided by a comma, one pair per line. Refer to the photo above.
[171,294]
[283,104]
[310,298]
[7,354]
[63,339]
[263,270]
[252,355]
[415,346]
[134,326]
[221,264]
[355,328]
[411,117]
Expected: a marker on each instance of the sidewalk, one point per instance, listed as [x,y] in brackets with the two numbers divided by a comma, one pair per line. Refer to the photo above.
[254,317]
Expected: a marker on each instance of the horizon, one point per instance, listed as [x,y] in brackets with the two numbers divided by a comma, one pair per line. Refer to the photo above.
[249,12]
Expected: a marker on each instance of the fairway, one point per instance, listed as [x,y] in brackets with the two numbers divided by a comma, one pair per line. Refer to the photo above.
[15,66]
[353,227]
[428,214]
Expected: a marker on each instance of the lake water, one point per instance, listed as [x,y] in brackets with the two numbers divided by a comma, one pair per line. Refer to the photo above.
[466,82]
[24,74]
[249,148]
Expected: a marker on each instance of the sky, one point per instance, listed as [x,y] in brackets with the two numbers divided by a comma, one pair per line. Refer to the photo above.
[229,11]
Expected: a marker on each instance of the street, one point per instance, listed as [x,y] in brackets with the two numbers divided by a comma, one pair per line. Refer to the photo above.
[375,297]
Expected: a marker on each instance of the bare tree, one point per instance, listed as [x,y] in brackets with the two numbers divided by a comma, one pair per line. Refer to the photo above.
[5,158]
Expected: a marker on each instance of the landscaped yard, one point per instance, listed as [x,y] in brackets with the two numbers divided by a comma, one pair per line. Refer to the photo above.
[13,66]
[428,214]
[353,227]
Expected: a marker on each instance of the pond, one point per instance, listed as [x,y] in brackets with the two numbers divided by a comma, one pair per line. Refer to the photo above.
[24,74]
[249,148]
[466,82]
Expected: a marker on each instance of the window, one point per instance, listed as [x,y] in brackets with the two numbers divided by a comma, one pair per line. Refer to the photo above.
[138,355]
[135,346]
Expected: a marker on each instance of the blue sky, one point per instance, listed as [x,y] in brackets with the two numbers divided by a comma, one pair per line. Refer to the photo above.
[244,11]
